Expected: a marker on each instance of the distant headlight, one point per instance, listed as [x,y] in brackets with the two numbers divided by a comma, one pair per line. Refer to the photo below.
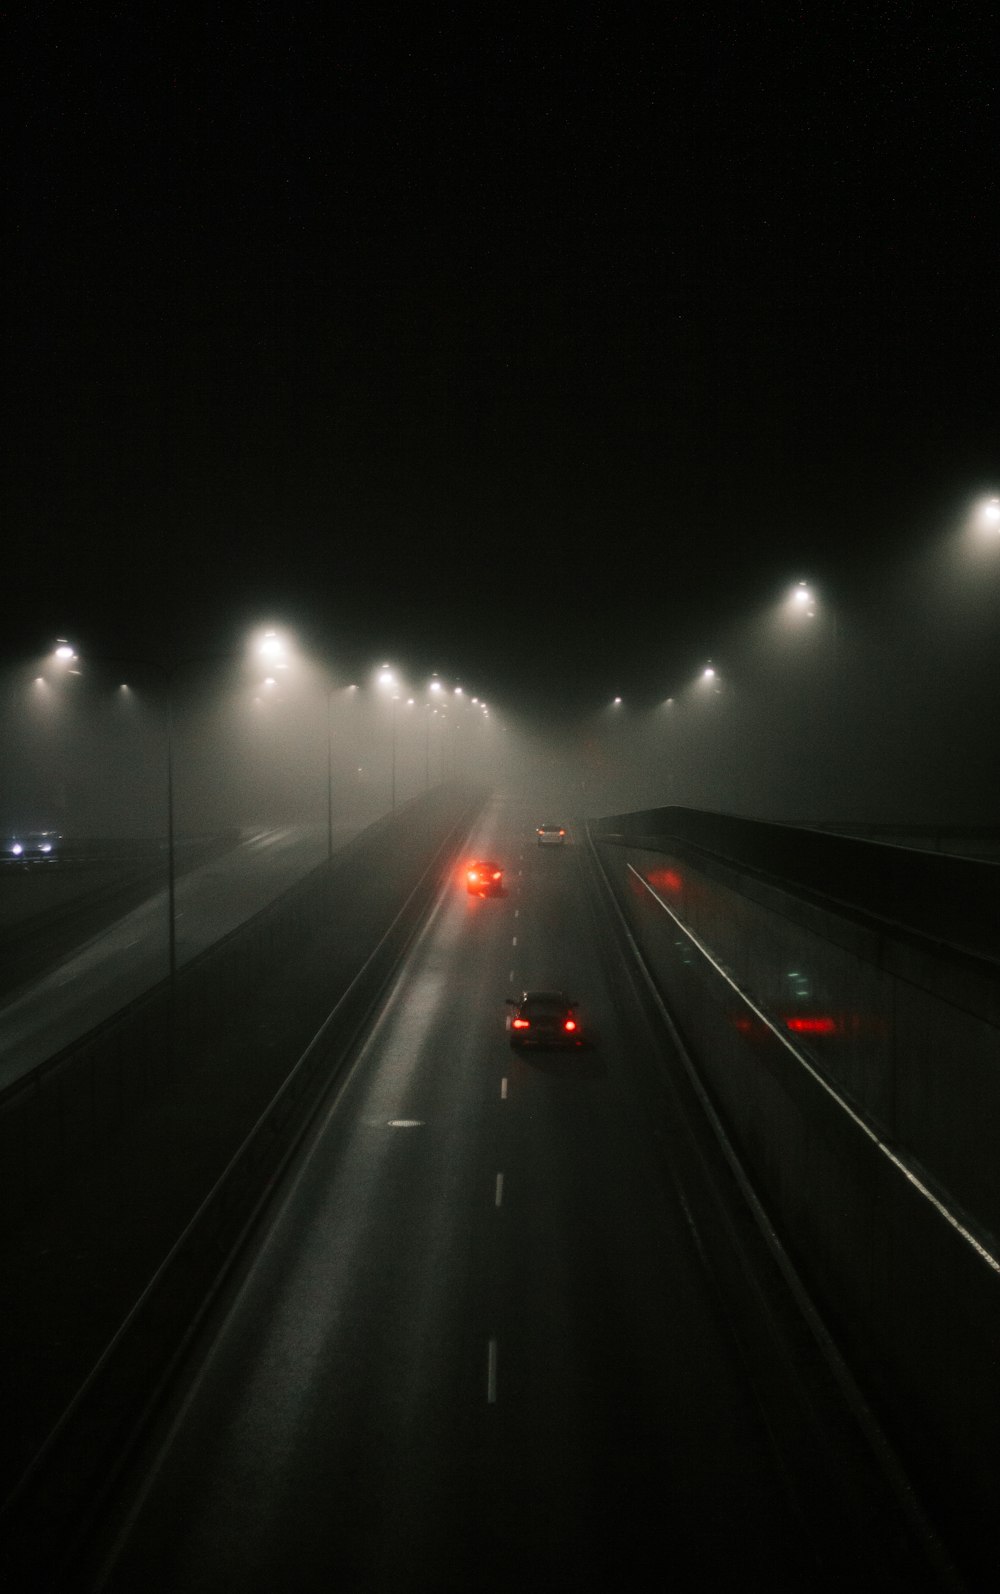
[45,847]
[17,849]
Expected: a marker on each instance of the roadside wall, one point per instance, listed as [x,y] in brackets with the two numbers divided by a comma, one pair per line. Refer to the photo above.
[856,1067]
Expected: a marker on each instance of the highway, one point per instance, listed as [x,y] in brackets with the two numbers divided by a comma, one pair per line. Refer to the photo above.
[125,959]
[509,1322]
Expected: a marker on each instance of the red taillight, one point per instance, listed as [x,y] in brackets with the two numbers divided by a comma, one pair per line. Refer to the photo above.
[497,875]
[473,875]
[569,1023]
[562,832]
[821,1025]
[521,1023]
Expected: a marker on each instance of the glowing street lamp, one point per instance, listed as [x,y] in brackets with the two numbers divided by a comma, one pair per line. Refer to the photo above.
[387,678]
[272,647]
[66,657]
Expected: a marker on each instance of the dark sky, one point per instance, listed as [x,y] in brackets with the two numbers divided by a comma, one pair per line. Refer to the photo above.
[539,349]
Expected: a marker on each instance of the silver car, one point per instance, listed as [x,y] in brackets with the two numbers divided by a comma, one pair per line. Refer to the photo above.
[551,835]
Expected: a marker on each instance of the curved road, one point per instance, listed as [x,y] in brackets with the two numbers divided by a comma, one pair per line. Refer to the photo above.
[509,1324]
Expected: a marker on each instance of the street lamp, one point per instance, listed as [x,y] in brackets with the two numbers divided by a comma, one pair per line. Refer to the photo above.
[68,657]
[395,700]
[387,678]
[272,647]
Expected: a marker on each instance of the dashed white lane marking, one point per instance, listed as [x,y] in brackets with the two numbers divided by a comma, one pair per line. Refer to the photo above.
[503,1090]
[491,1373]
[517,913]
[513,941]
[498,1196]
[510,977]
[406,1123]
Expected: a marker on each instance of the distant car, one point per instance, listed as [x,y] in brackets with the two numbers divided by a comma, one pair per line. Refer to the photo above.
[32,846]
[543,1019]
[551,835]
[484,878]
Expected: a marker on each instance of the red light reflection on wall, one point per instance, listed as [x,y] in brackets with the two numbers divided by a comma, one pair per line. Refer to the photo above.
[797,1023]
[666,879]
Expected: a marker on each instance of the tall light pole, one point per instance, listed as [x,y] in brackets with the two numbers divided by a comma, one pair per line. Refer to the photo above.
[68,659]
[271,648]
[395,700]
[329,773]
[387,678]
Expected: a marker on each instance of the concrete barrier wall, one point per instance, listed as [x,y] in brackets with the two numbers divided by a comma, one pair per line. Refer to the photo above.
[858,1074]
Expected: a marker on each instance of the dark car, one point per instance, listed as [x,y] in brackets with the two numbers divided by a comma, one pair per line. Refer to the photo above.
[484,878]
[543,1018]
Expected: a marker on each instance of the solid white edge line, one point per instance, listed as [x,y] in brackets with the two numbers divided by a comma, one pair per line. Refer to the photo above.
[803,1062]
[491,1373]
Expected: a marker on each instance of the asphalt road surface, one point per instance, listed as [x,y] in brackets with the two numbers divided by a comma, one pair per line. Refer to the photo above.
[508,1324]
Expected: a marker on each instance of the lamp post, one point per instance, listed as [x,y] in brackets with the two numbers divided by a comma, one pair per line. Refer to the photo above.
[387,678]
[272,648]
[329,773]
[395,700]
[68,659]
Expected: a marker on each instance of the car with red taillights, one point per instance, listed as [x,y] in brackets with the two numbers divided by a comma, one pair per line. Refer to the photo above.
[484,878]
[543,1019]
[551,835]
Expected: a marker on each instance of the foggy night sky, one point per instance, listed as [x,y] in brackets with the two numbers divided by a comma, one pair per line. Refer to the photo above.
[538,349]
